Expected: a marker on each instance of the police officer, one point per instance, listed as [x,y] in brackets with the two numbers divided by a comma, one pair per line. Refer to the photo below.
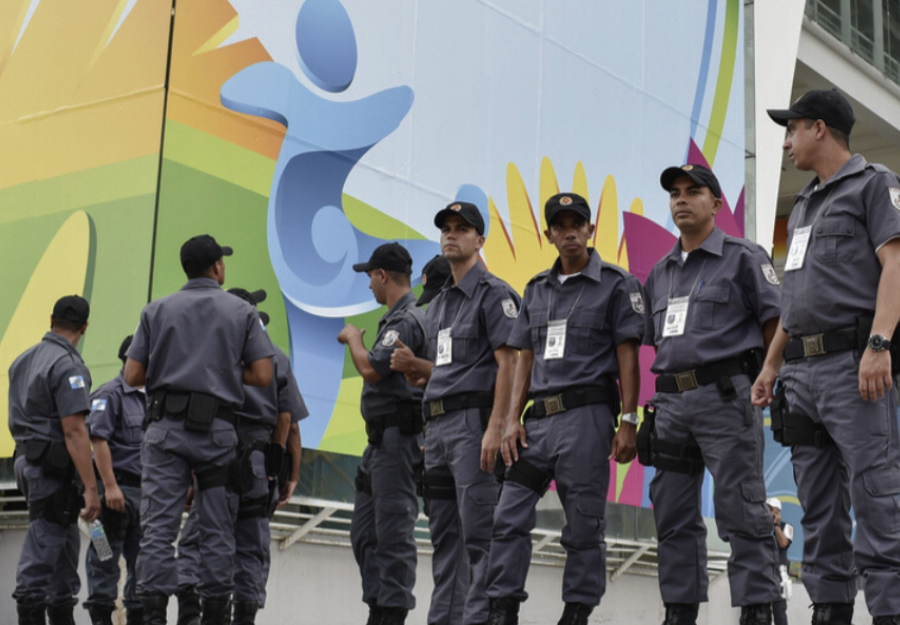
[841,303]
[579,330]
[784,536]
[195,349]
[386,507]
[469,379]
[117,413]
[714,303]
[49,396]
[263,423]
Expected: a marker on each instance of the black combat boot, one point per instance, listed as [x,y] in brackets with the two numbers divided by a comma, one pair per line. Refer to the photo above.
[135,616]
[757,614]
[375,614]
[60,615]
[393,616]
[681,613]
[216,611]
[188,607]
[575,614]
[154,609]
[887,620]
[832,614]
[31,613]
[245,612]
[101,614]
[504,611]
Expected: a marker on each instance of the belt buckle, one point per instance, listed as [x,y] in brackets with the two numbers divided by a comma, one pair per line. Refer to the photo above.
[436,407]
[813,345]
[554,404]
[686,380]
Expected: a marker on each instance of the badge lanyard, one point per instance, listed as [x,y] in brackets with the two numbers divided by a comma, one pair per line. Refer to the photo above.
[445,341]
[677,307]
[555,347]
[800,238]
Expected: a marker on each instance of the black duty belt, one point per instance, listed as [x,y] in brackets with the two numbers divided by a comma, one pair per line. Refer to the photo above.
[701,376]
[127,478]
[404,412]
[820,344]
[461,401]
[572,397]
[224,411]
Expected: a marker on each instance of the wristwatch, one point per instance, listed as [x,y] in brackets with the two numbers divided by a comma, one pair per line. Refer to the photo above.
[878,343]
[630,417]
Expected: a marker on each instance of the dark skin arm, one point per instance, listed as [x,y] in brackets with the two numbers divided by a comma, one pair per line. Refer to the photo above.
[761,394]
[296,448]
[282,427]
[417,370]
[506,358]
[135,373]
[259,372]
[352,337]
[514,434]
[875,367]
[79,446]
[622,449]
[115,500]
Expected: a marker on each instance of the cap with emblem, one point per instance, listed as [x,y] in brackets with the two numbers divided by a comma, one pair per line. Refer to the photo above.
[390,257]
[698,173]
[434,275]
[253,299]
[468,211]
[566,202]
[72,308]
[199,253]
[829,105]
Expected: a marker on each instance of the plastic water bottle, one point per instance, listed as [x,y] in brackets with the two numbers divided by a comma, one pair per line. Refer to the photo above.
[100,541]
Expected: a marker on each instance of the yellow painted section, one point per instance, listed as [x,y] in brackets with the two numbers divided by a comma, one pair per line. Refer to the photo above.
[606,236]
[346,432]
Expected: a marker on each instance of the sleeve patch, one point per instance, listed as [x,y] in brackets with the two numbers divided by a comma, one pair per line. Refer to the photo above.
[76,381]
[98,405]
[390,337]
[770,274]
[509,308]
[895,196]
[637,303]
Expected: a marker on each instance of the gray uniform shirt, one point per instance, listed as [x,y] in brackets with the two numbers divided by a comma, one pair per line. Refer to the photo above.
[602,307]
[282,395]
[47,382]
[117,413]
[852,215]
[733,291]
[480,312]
[198,339]
[404,321]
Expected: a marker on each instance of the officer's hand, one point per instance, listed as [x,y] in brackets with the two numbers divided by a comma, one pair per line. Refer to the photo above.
[874,374]
[761,394]
[490,445]
[287,491]
[189,500]
[623,450]
[91,505]
[402,358]
[115,500]
[349,331]
[513,436]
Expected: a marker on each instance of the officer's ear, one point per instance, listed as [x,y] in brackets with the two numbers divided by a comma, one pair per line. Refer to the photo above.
[717,205]
[479,243]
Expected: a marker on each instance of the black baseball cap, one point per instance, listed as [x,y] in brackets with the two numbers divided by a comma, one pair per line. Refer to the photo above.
[829,105]
[123,348]
[698,173]
[390,257]
[566,202]
[434,275]
[468,211]
[201,252]
[72,308]
[253,299]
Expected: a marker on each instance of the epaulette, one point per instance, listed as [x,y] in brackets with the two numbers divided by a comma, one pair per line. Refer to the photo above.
[615,268]
[540,276]
[746,243]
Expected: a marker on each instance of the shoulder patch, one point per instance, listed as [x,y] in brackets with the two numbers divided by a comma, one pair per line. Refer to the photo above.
[98,405]
[894,192]
[509,308]
[637,303]
[76,381]
[390,337]
[769,273]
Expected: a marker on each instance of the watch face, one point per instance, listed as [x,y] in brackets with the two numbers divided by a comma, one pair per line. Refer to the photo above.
[878,343]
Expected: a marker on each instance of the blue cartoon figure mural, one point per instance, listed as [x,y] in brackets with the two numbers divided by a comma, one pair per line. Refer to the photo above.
[312,243]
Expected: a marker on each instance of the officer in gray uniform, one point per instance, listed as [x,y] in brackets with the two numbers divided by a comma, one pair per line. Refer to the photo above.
[714,301]
[838,347]
[49,396]
[579,331]
[117,413]
[263,424]
[386,507]
[191,416]
[469,375]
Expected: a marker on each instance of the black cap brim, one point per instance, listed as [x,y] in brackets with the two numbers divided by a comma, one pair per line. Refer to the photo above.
[427,295]
[783,116]
[362,267]
[227,251]
[671,174]
[259,296]
[443,214]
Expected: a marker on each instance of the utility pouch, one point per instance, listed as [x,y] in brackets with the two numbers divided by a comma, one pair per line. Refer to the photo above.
[287,465]
[273,500]
[777,411]
[61,508]
[35,450]
[241,471]
[375,430]
[644,439]
[154,409]
[51,456]
[202,409]
[410,419]
[363,481]
[274,459]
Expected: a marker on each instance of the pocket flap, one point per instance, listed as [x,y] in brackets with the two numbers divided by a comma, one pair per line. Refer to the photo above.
[176,404]
[485,494]
[133,419]
[537,317]
[660,304]
[590,504]
[714,293]
[836,226]
[464,331]
[882,482]
[585,319]
[754,491]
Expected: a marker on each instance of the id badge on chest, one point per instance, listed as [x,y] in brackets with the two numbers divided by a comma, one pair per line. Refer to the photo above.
[444,348]
[676,316]
[556,340]
[799,243]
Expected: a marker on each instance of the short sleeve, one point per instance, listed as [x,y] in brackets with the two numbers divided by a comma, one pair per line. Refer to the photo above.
[499,311]
[402,329]
[882,205]
[139,350]
[71,387]
[290,400]
[106,404]
[257,344]
[520,338]
[627,312]
[761,285]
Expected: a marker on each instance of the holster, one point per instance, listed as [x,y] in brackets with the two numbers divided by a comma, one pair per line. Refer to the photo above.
[363,481]
[275,454]
[287,466]
[115,524]
[795,428]
[644,440]
[52,457]
[529,476]
[777,411]
[62,507]
[241,469]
